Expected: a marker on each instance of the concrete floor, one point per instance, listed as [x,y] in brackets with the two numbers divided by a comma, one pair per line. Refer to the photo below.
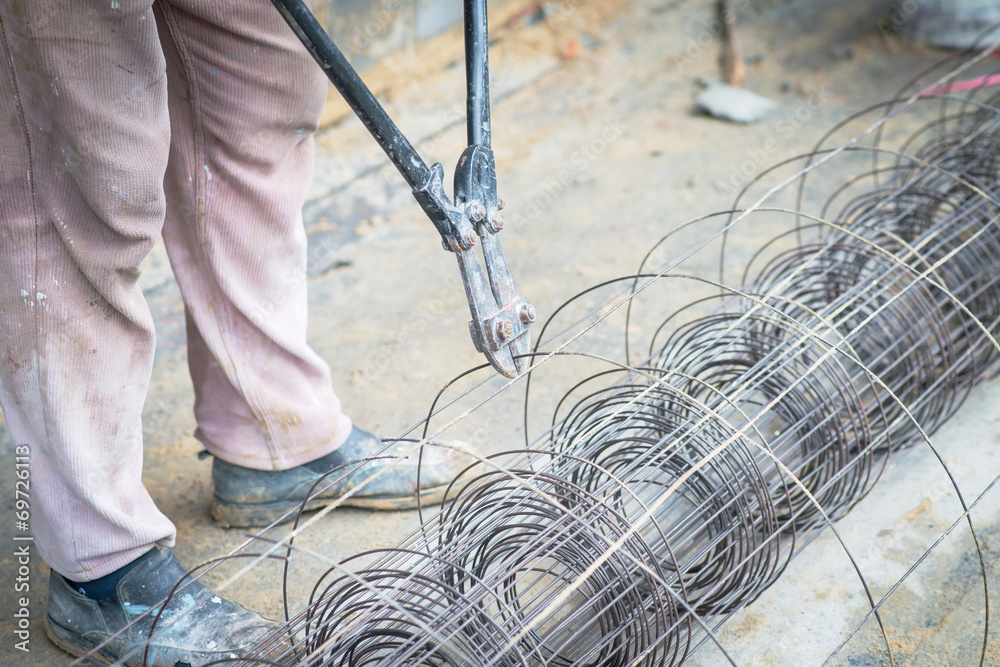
[389,316]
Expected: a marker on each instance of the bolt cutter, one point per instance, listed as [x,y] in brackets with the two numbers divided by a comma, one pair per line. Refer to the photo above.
[501,317]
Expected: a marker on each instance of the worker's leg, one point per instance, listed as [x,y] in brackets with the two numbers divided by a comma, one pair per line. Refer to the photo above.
[245,98]
[85,140]
[83,147]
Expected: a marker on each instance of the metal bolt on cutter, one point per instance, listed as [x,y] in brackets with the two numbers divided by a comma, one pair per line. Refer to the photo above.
[501,317]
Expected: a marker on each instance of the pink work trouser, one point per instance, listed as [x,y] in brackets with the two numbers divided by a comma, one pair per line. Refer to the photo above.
[120,120]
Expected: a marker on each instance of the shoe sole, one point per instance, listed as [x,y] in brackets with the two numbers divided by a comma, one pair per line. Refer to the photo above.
[75,645]
[235,515]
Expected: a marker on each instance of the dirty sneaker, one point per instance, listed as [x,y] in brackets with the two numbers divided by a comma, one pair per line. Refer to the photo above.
[196,627]
[253,498]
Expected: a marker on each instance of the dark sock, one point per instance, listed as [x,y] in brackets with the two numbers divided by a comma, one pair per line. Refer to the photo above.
[98,589]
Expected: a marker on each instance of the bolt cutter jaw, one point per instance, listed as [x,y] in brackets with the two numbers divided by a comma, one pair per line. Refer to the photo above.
[500,322]
[501,317]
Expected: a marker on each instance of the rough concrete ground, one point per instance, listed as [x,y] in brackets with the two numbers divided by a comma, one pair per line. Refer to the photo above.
[606,101]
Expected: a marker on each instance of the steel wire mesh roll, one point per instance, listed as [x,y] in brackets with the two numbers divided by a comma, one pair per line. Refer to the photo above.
[668,495]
